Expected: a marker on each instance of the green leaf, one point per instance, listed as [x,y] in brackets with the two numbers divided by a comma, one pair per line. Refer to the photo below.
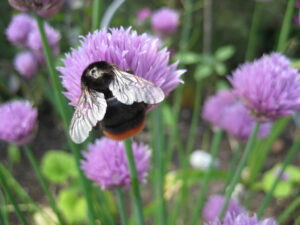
[58,166]
[186,58]
[220,68]
[202,71]
[168,115]
[73,206]
[224,53]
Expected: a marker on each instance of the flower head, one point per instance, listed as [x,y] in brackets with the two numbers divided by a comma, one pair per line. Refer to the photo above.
[214,205]
[269,87]
[18,122]
[143,14]
[26,64]
[226,112]
[19,28]
[165,21]
[35,42]
[106,163]
[126,49]
[242,219]
[45,8]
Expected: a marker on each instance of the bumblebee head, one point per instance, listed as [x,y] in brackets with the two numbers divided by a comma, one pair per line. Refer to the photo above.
[94,72]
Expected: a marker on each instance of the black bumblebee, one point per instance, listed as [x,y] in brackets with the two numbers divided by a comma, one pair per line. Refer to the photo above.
[117,98]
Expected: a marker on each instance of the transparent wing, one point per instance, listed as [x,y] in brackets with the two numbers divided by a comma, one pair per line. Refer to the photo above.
[129,88]
[90,110]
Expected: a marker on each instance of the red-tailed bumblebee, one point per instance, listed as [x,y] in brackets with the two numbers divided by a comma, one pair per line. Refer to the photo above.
[116,98]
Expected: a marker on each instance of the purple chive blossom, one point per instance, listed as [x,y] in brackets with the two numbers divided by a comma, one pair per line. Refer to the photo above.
[26,64]
[19,28]
[125,48]
[296,20]
[214,205]
[297,4]
[214,107]
[44,8]
[143,14]
[35,42]
[165,21]
[269,87]
[242,219]
[18,122]
[106,164]
[224,111]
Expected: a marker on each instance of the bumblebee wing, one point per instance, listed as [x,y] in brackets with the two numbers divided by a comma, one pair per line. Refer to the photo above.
[128,88]
[90,110]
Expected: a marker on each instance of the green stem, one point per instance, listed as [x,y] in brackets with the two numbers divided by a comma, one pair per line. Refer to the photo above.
[3,209]
[239,169]
[64,114]
[251,47]
[286,26]
[12,200]
[201,198]
[187,25]
[289,210]
[291,154]
[161,212]
[96,14]
[121,206]
[134,183]
[43,183]
[231,171]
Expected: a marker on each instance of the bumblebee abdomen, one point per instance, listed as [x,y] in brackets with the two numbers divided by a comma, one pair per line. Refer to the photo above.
[122,121]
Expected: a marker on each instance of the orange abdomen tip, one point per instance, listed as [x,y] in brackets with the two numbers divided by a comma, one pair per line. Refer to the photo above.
[126,134]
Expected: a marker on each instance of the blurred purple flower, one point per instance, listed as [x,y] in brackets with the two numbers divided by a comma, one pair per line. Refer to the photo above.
[106,163]
[165,21]
[125,48]
[224,111]
[285,176]
[35,42]
[19,28]
[296,20]
[297,4]
[18,122]
[45,8]
[26,64]
[269,87]
[214,107]
[214,205]
[242,219]
[143,14]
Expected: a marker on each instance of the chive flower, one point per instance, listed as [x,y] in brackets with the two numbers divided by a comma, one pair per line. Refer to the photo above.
[269,87]
[26,64]
[164,21]
[19,28]
[242,219]
[125,48]
[214,204]
[142,15]
[44,8]
[18,122]
[226,112]
[106,164]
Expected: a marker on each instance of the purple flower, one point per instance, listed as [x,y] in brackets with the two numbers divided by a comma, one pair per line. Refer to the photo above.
[26,64]
[45,8]
[165,21]
[125,48]
[214,107]
[18,122]
[297,4]
[214,205]
[296,20]
[242,219]
[269,87]
[106,163]
[35,42]
[143,14]
[19,28]
[226,112]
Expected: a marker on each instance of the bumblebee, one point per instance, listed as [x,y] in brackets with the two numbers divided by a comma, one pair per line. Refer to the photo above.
[116,99]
